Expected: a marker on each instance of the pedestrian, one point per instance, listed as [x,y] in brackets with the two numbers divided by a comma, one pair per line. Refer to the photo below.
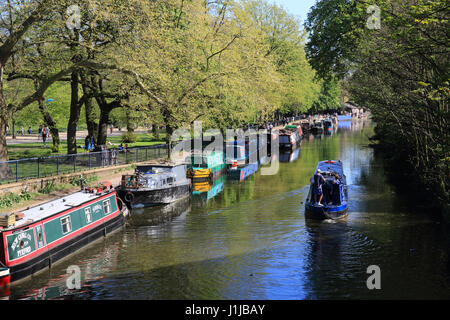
[87,143]
[44,136]
[111,128]
[47,131]
[21,131]
[39,131]
[29,130]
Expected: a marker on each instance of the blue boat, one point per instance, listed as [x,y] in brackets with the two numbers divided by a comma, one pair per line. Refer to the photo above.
[240,174]
[334,200]
[345,117]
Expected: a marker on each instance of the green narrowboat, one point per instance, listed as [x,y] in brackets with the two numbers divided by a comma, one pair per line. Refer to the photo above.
[36,238]
[206,166]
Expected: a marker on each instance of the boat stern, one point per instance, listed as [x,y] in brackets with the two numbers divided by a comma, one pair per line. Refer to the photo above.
[326,212]
[198,174]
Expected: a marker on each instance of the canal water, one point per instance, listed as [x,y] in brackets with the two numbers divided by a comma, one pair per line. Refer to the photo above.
[250,240]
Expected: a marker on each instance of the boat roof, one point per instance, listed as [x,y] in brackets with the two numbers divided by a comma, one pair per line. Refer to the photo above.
[331,165]
[50,208]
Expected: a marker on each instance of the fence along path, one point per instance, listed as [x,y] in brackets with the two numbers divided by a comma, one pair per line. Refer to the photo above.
[32,168]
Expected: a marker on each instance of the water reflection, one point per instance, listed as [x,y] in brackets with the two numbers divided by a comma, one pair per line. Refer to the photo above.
[249,240]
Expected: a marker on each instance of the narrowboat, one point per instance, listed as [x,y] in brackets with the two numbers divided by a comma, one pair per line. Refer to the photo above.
[38,237]
[294,127]
[317,127]
[206,166]
[306,126]
[328,125]
[154,184]
[241,174]
[333,204]
[239,152]
[344,117]
[289,139]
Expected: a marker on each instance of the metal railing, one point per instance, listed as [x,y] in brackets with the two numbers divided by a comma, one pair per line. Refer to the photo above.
[32,168]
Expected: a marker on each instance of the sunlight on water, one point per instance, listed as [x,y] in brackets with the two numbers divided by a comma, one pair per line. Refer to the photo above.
[251,241]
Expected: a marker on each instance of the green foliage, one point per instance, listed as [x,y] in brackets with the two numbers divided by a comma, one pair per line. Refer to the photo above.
[128,137]
[78,181]
[400,72]
[10,199]
[48,188]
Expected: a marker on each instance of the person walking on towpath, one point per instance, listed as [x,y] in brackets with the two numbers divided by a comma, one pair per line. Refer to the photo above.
[44,135]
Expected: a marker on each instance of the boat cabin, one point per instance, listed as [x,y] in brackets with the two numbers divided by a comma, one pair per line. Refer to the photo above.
[154,177]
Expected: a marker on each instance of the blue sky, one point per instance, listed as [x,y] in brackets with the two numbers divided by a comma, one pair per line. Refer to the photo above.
[299,8]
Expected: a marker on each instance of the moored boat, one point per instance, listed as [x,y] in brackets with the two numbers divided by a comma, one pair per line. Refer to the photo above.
[240,152]
[328,125]
[38,237]
[241,174]
[330,200]
[154,184]
[206,166]
[317,127]
[344,117]
[289,138]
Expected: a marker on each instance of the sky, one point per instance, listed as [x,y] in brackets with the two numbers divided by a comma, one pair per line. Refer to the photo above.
[299,8]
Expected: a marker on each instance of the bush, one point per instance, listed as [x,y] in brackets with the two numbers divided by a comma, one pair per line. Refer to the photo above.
[129,137]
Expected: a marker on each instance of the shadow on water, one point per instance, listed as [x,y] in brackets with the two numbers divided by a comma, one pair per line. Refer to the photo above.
[249,240]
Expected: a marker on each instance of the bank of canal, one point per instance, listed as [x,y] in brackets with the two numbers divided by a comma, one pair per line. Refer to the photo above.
[251,241]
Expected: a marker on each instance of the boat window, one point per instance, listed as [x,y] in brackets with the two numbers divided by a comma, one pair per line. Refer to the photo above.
[88,214]
[107,206]
[170,180]
[66,225]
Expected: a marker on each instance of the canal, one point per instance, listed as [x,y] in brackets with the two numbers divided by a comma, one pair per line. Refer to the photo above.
[250,240]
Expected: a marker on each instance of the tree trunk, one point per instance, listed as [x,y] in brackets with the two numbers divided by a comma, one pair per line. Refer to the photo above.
[48,120]
[105,110]
[5,170]
[103,125]
[130,120]
[3,121]
[75,108]
[155,130]
[13,127]
[92,126]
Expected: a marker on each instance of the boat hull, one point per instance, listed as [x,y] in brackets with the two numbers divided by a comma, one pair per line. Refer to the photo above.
[240,174]
[139,198]
[32,266]
[324,213]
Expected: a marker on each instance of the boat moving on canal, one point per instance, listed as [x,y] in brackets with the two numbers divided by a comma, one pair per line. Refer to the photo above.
[330,200]
[34,239]
[154,184]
